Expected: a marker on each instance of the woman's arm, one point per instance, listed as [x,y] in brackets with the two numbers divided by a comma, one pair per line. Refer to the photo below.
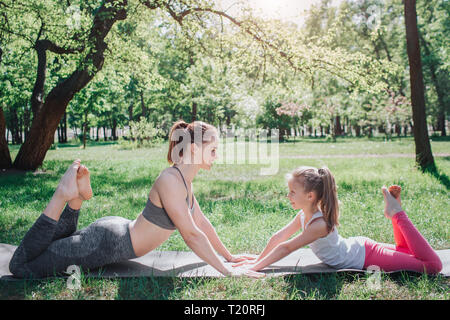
[205,225]
[172,196]
[316,229]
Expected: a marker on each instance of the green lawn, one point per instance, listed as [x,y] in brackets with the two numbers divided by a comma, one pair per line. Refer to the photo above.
[245,208]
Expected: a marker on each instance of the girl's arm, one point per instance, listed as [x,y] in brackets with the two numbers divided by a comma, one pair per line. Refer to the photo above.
[205,225]
[281,236]
[316,229]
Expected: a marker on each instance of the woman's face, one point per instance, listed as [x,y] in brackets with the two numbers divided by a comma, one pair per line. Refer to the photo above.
[209,153]
[297,196]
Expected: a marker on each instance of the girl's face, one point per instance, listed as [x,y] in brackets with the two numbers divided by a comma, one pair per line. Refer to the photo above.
[298,197]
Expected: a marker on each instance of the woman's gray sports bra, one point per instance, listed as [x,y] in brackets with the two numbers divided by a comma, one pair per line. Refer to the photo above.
[159,215]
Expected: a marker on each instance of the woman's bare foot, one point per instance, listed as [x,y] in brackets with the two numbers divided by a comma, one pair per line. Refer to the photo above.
[84,183]
[67,188]
[391,205]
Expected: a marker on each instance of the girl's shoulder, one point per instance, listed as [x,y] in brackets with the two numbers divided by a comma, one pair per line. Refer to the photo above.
[319,226]
[317,219]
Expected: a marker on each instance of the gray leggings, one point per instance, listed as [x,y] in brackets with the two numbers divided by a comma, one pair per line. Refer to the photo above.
[50,246]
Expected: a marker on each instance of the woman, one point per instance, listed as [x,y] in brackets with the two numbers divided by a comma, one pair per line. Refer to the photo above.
[52,243]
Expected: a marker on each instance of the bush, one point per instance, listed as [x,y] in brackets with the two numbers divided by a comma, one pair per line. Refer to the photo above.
[143,134]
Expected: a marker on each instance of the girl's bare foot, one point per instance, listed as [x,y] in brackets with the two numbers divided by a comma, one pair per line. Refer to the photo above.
[391,205]
[84,183]
[395,191]
[67,188]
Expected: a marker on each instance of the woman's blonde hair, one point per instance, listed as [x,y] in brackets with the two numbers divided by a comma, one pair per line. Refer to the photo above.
[322,183]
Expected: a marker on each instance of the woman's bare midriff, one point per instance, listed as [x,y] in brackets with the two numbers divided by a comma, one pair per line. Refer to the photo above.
[146,236]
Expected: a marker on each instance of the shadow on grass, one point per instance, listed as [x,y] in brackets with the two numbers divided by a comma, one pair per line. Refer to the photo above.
[398,285]
[146,288]
[441,177]
[316,286]
[401,285]
[440,138]
[142,288]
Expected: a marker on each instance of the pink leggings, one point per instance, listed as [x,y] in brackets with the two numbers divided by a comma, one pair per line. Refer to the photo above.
[411,251]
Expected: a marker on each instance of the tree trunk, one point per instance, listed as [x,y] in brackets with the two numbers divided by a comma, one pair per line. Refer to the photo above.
[357,130]
[85,124]
[33,151]
[15,128]
[441,123]
[424,156]
[144,108]
[130,112]
[59,133]
[26,121]
[114,129]
[337,126]
[37,96]
[194,111]
[64,128]
[5,157]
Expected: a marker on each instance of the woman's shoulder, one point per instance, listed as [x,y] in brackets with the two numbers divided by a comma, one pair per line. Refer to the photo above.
[167,179]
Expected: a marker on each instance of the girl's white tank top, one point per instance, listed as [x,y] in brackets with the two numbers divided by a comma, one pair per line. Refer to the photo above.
[336,251]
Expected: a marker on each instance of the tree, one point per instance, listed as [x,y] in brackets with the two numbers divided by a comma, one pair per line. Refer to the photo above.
[256,45]
[424,156]
[434,33]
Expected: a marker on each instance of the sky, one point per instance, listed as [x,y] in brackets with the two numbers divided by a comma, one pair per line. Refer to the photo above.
[287,10]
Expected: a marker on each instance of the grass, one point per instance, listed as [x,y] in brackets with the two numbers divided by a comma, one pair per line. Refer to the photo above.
[246,209]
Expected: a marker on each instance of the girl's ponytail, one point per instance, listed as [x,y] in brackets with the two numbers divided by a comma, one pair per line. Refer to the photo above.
[320,181]
[329,204]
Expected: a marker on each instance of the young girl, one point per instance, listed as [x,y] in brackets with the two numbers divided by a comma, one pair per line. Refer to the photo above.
[314,192]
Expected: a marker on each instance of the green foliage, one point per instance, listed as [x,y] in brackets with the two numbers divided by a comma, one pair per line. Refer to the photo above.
[344,61]
[271,119]
[145,133]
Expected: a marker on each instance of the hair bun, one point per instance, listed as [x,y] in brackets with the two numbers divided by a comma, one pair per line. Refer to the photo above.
[180,124]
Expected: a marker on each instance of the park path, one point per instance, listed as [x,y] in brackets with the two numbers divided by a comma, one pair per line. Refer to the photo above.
[362,155]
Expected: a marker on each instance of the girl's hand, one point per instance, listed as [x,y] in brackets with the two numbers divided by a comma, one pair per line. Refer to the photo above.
[241,272]
[244,264]
[239,258]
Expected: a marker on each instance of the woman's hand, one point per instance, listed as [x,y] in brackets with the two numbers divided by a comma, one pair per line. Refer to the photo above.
[240,258]
[242,271]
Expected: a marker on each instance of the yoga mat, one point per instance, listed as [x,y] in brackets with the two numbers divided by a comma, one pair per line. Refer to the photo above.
[187,264]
